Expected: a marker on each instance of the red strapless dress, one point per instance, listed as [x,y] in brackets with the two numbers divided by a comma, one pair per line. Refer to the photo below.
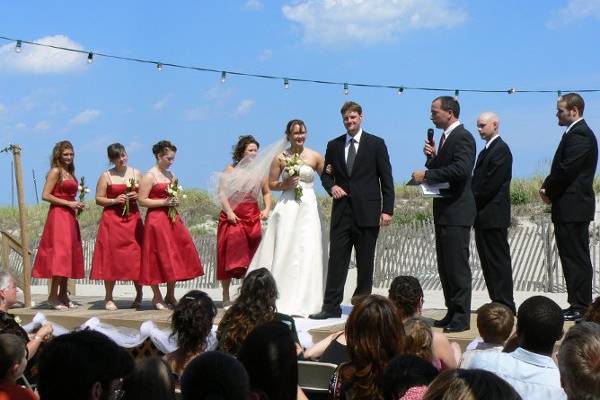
[236,244]
[118,249]
[60,252]
[168,251]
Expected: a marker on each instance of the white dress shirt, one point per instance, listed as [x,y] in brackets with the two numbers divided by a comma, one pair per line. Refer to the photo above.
[489,142]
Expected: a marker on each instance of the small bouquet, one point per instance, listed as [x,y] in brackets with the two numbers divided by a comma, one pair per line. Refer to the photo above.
[292,168]
[174,190]
[130,186]
[82,192]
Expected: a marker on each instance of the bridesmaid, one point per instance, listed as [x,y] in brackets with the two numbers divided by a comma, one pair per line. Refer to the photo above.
[168,251]
[118,249]
[239,230]
[60,255]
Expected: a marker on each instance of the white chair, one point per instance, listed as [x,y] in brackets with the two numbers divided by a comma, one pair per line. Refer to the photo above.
[313,377]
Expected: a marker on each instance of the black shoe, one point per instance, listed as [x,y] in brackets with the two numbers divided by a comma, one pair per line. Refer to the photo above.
[571,314]
[456,328]
[442,323]
[325,315]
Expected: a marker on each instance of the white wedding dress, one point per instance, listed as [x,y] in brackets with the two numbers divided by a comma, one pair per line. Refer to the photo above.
[292,249]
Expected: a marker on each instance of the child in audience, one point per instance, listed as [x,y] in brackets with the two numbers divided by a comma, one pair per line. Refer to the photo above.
[13,361]
[495,323]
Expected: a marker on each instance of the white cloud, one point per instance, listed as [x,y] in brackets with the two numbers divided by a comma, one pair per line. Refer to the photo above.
[162,103]
[245,106]
[576,10]
[197,113]
[42,126]
[254,5]
[265,55]
[339,22]
[42,60]
[2,108]
[134,146]
[85,117]
[21,125]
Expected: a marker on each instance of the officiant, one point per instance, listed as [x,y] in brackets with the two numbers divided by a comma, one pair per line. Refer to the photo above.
[454,213]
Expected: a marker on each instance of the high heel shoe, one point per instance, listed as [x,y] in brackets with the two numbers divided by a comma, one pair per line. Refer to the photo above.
[160,306]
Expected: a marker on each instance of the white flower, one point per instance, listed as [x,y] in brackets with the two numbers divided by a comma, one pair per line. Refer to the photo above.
[179,187]
[87,190]
[18,320]
[184,196]
[80,188]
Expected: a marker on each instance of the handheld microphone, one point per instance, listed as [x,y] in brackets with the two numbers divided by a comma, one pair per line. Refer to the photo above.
[430,138]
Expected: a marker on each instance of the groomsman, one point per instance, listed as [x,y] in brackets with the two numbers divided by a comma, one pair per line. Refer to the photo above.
[569,188]
[491,189]
[454,213]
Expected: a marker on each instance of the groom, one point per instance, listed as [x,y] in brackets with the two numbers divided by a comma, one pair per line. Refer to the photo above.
[362,188]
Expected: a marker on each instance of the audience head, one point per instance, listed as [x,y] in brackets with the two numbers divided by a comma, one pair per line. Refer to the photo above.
[8,291]
[407,294]
[247,145]
[569,108]
[592,313]
[374,335]
[487,125]
[13,357]
[445,110]
[215,376]
[419,338]
[82,365]
[255,305]
[151,379]
[579,361]
[269,355]
[404,372]
[495,323]
[115,152]
[191,321]
[352,115]
[470,384]
[62,157]
[539,324]
[164,152]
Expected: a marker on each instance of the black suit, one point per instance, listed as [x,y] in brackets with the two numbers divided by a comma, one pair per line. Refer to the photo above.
[570,188]
[453,216]
[355,218]
[491,189]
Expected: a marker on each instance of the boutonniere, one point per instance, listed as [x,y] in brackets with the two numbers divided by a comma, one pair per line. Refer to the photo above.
[18,319]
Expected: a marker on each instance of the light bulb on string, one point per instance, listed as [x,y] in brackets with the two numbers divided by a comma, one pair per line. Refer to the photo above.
[223,76]
[346,90]
[18,46]
[456,93]
[559,93]
[90,58]
[159,66]
[286,83]
[511,91]
[401,90]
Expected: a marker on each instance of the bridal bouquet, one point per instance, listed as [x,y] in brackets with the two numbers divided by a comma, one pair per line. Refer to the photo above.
[174,190]
[82,192]
[130,186]
[292,168]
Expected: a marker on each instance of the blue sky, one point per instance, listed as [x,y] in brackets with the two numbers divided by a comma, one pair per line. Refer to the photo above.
[46,97]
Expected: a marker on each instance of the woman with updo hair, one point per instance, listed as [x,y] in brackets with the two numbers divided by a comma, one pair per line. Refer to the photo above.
[191,324]
[60,255]
[168,251]
[239,230]
[118,249]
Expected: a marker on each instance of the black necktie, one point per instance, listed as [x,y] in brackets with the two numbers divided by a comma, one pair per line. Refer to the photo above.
[351,156]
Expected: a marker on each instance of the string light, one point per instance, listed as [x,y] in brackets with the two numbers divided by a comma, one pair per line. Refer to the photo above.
[401,89]
[559,93]
[286,83]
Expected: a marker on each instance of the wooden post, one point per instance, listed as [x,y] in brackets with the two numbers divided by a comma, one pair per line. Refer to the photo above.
[16,150]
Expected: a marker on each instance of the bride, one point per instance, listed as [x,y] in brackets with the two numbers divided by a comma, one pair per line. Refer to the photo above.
[291,246]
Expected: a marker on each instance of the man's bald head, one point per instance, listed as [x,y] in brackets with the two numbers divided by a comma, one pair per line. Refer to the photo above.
[487,125]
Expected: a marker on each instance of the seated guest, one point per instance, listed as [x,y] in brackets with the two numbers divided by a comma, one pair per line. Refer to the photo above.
[407,378]
[470,384]
[13,360]
[375,335]
[530,368]
[8,297]
[495,322]
[592,312]
[214,375]
[579,361]
[419,340]
[254,306]
[407,294]
[191,323]
[82,365]
[151,379]
[269,356]
[331,350]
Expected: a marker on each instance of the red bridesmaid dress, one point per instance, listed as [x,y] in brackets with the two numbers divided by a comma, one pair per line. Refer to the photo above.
[118,249]
[168,251]
[237,243]
[60,252]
